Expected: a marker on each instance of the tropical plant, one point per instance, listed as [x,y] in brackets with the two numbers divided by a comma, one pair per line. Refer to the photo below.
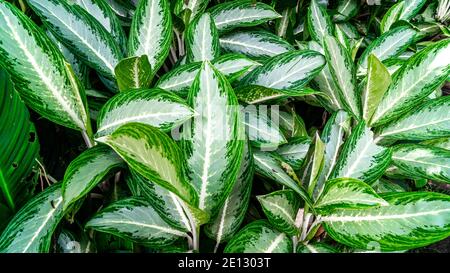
[224,126]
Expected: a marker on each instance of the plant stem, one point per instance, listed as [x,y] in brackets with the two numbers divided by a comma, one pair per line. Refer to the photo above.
[195,235]
[89,142]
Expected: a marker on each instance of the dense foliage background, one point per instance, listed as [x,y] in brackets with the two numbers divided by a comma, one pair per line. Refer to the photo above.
[355,158]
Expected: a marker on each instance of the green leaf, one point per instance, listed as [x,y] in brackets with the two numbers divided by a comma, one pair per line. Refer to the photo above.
[281,208]
[387,46]
[255,94]
[347,193]
[151,31]
[270,167]
[386,186]
[411,8]
[413,82]
[232,213]
[42,78]
[81,33]
[19,145]
[136,220]
[152,154]
[391,16]
[166,203]
[31,229]
[202,39]
[361,158]
[87,170]
[315,248]
[180,79]
[375,85]
[413,219]
[104,14]
[133,72]
[263,132]
[213,141]
[190,9]
[241,13]
[288,71]
[313,165]
[346,9]
[319,23]
[428,121]
[292,124]
[342,70]
[259,237]
[420,161]
[154,107]
[443,143]
[254,43]
[294,152]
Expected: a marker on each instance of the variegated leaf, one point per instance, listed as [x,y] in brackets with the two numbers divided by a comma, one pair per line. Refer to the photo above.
[133,72]
[294,152]
[319,23]
[202,39]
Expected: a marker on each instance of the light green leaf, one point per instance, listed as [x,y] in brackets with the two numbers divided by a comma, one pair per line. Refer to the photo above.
[428,121]
[254,43]
[190,9]
[313,165]
[154,107]
[361,158]
[136,220]
[241,13]
[415,80]
[202,39]
[292,124]
[87,170]
[391,16]
[259,237]
[342,70]
[31,229]
[385,186]
[411,8]
[319,23]
[255,94]
[418,161]
[213,141]
[347,193]
[294,152]
[133,72]
[44,81]
[315,248]
[375,85]
[280,208]
[413,219]
[81,33]
[346,9]
[152,154]
[443,143]
[288,71]
[151,31]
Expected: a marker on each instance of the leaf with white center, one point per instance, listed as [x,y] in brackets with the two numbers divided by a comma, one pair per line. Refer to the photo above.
[213,141]
[314,161]
[254,43]
[154,155]
[232,213]
[259,237]
[241,13]
[294,152]
[87,170]
[137,220]
[412,220]
[391,16]
[154,107]
[419,161]
[336,128]
[31,229]
[428,121]
[103,13]
[188,10]
[202,40]
[133,72]
[45,82]
[342,70]
[166,203]
[81,33]
[151,31]
[280,208]
[387,46]
[346,9]
[288,71]
[262,130]
[315,248]
[255,94]
[180,79]
[319,22]
[347,193]
[361,158]
[292,124]
[385,186]
[414,81]
[270,167]
[374,86]
[411,8]
[324,82]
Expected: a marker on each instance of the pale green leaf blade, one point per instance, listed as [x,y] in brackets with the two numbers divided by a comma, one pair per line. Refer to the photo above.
[319,22]
[391,16]
[294,152]
[133,72]
[346,9]
[202,39]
